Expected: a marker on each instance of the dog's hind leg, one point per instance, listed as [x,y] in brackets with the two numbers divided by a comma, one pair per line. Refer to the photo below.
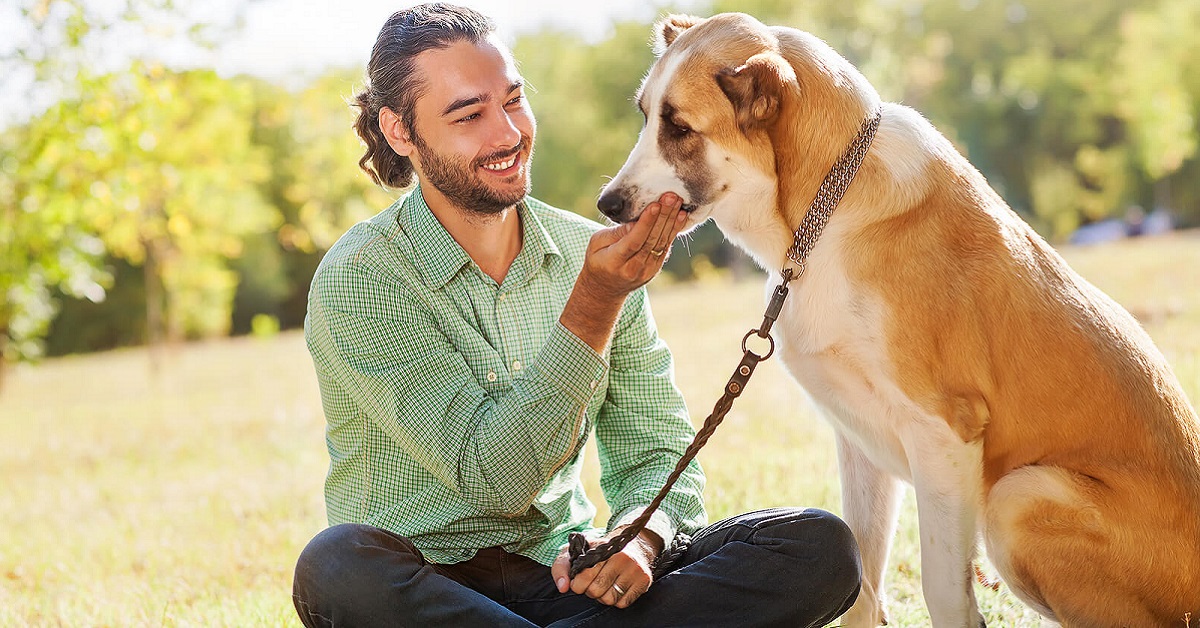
[947,478]
[871,505]
[1068,554]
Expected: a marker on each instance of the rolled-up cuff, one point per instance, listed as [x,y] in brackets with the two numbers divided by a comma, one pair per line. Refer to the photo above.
[659,524]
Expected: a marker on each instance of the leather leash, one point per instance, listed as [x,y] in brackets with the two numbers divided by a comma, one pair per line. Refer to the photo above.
[805,237]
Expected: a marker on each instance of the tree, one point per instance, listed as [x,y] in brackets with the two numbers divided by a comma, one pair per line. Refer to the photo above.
[1072,120]
[42,246]
[582,95]
[57,182]
[315,184]
[177,174]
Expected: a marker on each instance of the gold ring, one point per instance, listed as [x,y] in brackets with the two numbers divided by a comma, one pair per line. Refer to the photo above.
[657,252]
[616,587]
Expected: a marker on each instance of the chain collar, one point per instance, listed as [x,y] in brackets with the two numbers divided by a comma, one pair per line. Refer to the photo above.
[828,196]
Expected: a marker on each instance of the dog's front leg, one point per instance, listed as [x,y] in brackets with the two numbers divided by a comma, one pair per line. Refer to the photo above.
[947,478]
[870,501]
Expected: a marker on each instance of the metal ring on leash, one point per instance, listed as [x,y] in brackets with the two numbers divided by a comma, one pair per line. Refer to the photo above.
[755,332]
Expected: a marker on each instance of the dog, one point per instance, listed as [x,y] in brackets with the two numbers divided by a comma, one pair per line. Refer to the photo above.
[946,342]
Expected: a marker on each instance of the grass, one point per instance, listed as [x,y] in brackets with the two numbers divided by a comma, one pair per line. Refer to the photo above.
[184,499]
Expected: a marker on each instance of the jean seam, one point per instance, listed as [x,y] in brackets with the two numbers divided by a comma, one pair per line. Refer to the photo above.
[598,614]
[505,590]
[308,611]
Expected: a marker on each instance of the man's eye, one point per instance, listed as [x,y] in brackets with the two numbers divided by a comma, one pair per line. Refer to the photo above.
[516,99]
[468,118]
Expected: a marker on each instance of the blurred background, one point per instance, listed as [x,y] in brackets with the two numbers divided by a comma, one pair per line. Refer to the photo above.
[171,173]
[174,170]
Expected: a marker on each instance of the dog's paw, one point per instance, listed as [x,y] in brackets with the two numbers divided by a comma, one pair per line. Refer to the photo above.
[864,616]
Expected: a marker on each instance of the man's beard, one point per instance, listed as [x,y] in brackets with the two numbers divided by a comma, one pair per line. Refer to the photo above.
[456,179]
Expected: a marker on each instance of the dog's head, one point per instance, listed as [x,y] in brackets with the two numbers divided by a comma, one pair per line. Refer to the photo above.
[715,101]
[707,101]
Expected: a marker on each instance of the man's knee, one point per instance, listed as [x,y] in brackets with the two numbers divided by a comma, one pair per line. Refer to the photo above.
[825,542]
[337,562]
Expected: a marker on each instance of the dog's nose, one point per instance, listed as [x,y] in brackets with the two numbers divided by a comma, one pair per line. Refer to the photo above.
[612,203]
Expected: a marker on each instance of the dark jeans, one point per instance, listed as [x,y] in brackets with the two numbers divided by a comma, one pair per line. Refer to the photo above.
[776,567]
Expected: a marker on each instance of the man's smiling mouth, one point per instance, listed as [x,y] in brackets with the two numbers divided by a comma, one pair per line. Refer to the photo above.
[502,165]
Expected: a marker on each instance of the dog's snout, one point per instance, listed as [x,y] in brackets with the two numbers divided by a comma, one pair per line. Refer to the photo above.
[612,203]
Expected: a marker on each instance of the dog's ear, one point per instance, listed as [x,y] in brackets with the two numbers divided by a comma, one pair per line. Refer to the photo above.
[668,28]
[756,87]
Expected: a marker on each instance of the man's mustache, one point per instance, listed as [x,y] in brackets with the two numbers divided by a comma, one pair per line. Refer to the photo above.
[502,154]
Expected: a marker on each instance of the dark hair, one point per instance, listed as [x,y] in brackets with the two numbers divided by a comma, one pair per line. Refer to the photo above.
[392,80]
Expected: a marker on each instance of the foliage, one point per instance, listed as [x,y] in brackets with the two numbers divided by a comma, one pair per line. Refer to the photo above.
[177,178]
[225,192]
[315,185]
[1073,120]
[42,246]
[59,149]
[582,95]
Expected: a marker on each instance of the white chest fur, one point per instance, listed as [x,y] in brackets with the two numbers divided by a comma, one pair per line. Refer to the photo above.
[830,337]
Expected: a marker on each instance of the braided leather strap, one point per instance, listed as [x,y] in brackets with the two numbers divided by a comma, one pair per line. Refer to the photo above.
[670,555]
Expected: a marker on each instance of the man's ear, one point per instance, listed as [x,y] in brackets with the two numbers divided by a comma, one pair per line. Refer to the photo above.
[395,132]
[668,28]
[755,88]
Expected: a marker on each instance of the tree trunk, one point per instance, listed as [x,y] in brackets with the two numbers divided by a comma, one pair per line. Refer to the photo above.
[1162,194]
[154,308]
[3,362]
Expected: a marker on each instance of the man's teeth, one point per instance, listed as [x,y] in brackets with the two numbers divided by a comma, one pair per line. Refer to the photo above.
[504,165]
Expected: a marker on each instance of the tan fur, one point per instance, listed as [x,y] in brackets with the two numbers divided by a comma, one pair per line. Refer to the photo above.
[1089,463]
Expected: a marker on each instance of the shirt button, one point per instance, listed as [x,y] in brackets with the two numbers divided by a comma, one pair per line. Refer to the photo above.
[491,376]
[501,297]
[594,384]
[516,365]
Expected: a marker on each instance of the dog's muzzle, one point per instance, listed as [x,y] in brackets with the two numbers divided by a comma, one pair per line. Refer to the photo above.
[615,204]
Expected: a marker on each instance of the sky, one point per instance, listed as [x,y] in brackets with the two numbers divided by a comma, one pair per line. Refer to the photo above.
[281,37]
[290,41]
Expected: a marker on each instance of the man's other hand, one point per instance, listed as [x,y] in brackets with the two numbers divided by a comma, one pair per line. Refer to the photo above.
[618,581]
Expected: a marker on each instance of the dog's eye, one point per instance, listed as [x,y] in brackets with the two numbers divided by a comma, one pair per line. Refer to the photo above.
[675,129]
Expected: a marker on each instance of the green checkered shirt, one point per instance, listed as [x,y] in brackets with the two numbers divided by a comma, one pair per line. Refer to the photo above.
[457,409]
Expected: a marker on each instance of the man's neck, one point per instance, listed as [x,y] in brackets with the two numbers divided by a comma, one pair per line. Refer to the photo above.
[491,240]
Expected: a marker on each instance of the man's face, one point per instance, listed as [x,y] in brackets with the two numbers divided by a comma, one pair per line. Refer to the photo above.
[473,128]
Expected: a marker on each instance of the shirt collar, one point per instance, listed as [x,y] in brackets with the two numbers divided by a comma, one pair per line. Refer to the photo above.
[439,258]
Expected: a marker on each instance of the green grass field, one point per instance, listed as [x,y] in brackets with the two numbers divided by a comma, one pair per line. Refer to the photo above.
[184,499]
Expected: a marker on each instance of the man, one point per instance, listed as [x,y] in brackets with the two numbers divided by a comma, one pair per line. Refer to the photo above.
[467,341]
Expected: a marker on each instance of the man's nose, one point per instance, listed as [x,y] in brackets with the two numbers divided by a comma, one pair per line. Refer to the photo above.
[506,133]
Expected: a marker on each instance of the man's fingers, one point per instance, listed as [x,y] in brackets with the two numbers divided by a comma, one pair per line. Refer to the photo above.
[627,593]
[560,571]
[666,216]
[601,586]
[635,239]
[583,580]
[607,237]
[661,248]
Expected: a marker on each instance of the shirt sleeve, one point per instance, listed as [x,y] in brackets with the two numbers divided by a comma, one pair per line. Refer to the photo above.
[643,429]
[377,339]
